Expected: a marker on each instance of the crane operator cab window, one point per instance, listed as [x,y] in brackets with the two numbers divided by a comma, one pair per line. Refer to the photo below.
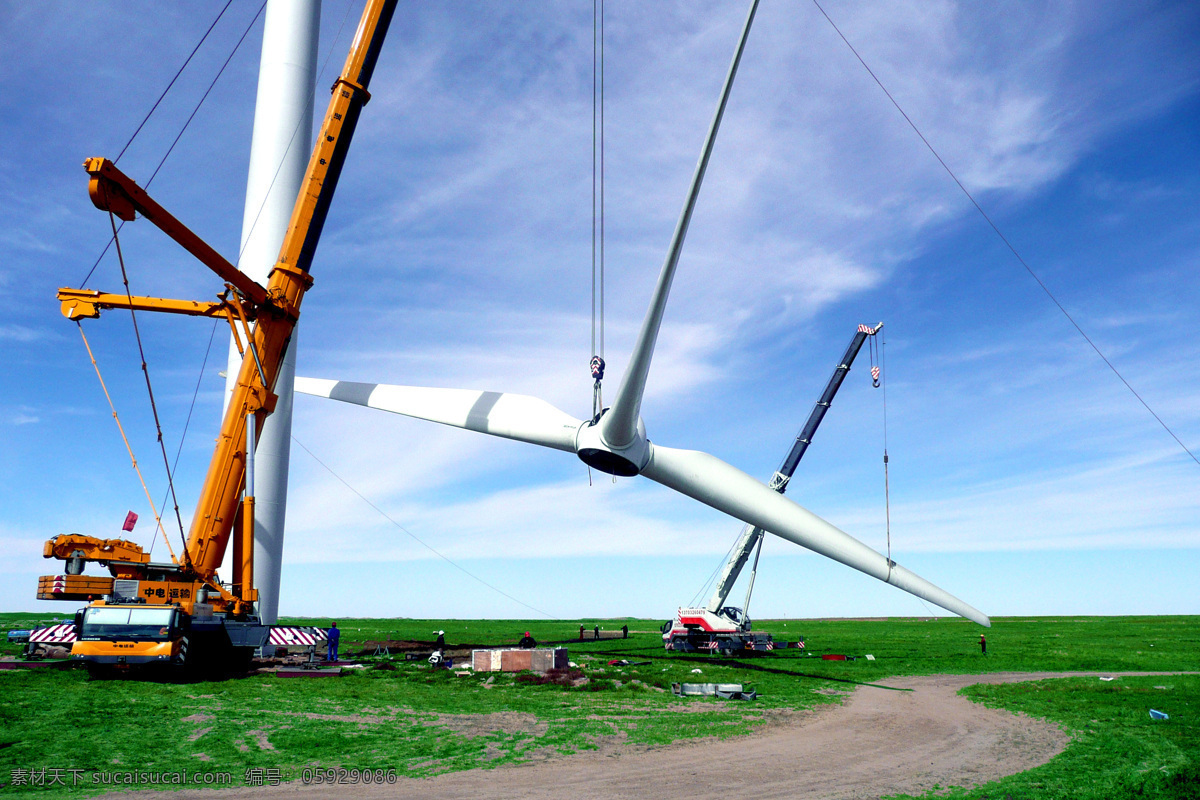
[107,622]
[732,614]
[736,616]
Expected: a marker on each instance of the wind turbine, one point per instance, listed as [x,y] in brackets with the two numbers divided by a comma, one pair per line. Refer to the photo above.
[615,441]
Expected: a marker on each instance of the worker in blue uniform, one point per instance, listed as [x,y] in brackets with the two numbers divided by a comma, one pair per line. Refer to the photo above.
[333,637]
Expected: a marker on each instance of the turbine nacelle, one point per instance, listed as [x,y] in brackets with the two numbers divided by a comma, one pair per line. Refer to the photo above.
[594,449]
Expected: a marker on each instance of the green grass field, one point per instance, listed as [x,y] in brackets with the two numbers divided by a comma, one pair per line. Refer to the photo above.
[403,716]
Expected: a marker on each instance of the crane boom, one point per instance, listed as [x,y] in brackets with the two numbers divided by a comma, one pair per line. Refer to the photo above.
[212,524]
[198,604]
[752,537]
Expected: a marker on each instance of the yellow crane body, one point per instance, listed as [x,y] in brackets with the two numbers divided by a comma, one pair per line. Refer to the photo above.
[198,601]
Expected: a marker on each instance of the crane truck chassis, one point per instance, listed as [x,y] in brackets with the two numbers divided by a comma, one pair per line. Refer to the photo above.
[727,629]
[149,617]
[117,636]
[725,633]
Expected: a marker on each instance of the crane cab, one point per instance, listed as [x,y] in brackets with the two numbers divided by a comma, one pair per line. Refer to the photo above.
[124,636]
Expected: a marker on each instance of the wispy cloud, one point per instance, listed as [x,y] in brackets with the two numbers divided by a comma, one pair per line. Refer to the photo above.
[21,333]
[19,553]
[558,520]
[1051,509]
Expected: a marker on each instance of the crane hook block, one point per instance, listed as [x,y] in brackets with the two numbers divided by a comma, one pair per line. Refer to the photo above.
[597,368]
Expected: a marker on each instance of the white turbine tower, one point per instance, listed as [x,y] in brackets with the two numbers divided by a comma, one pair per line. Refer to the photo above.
[279,153]
[616,442]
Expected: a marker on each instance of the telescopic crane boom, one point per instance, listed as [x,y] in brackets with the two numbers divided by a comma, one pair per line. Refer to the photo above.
[197,601]
[751,537]
[717,625]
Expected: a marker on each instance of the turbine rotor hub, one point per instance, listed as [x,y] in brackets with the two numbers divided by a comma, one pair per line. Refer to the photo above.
[594,451]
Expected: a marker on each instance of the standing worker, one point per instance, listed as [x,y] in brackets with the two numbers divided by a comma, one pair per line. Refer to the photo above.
[597,631]
[441,640]
[983,643]
[624,631]
[333,637]
[581,633]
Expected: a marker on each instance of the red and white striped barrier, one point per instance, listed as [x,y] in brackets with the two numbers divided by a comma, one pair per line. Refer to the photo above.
[55,634]
[296,637]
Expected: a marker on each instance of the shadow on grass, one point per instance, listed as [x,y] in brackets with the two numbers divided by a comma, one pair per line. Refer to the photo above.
[653,653]
[736,664]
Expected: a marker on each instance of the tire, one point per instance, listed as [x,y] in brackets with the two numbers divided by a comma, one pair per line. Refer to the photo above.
[99,672]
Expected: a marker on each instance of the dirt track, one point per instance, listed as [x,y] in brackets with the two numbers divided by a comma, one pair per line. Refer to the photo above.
[879,741]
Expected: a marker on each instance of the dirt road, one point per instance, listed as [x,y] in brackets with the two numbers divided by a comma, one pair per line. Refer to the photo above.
[879,741]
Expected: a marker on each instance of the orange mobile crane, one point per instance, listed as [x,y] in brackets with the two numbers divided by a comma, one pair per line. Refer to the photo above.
[180,612]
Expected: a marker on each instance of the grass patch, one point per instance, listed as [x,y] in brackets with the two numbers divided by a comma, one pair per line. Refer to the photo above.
[402,715]
[1117,750]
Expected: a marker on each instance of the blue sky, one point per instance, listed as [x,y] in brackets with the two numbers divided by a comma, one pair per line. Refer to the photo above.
[1024,477]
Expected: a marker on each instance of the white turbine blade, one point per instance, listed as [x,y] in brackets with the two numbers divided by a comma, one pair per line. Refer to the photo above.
[619,425]
[512,416]
[726,488]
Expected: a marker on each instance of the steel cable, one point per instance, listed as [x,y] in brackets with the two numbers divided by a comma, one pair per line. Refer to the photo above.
[417,539]
[149,388]
[1005,240]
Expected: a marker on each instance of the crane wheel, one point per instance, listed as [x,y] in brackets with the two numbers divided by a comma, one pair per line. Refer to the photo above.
[99,671]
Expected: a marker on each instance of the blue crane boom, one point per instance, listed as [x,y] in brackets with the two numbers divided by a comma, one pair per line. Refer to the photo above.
[750,539]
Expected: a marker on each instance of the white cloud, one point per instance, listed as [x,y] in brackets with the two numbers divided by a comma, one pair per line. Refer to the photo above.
[20,415]
[21,333]
[20,552]
[1102,507]
[549,521]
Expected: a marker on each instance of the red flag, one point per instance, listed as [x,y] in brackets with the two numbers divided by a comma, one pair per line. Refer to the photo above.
[130,521]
